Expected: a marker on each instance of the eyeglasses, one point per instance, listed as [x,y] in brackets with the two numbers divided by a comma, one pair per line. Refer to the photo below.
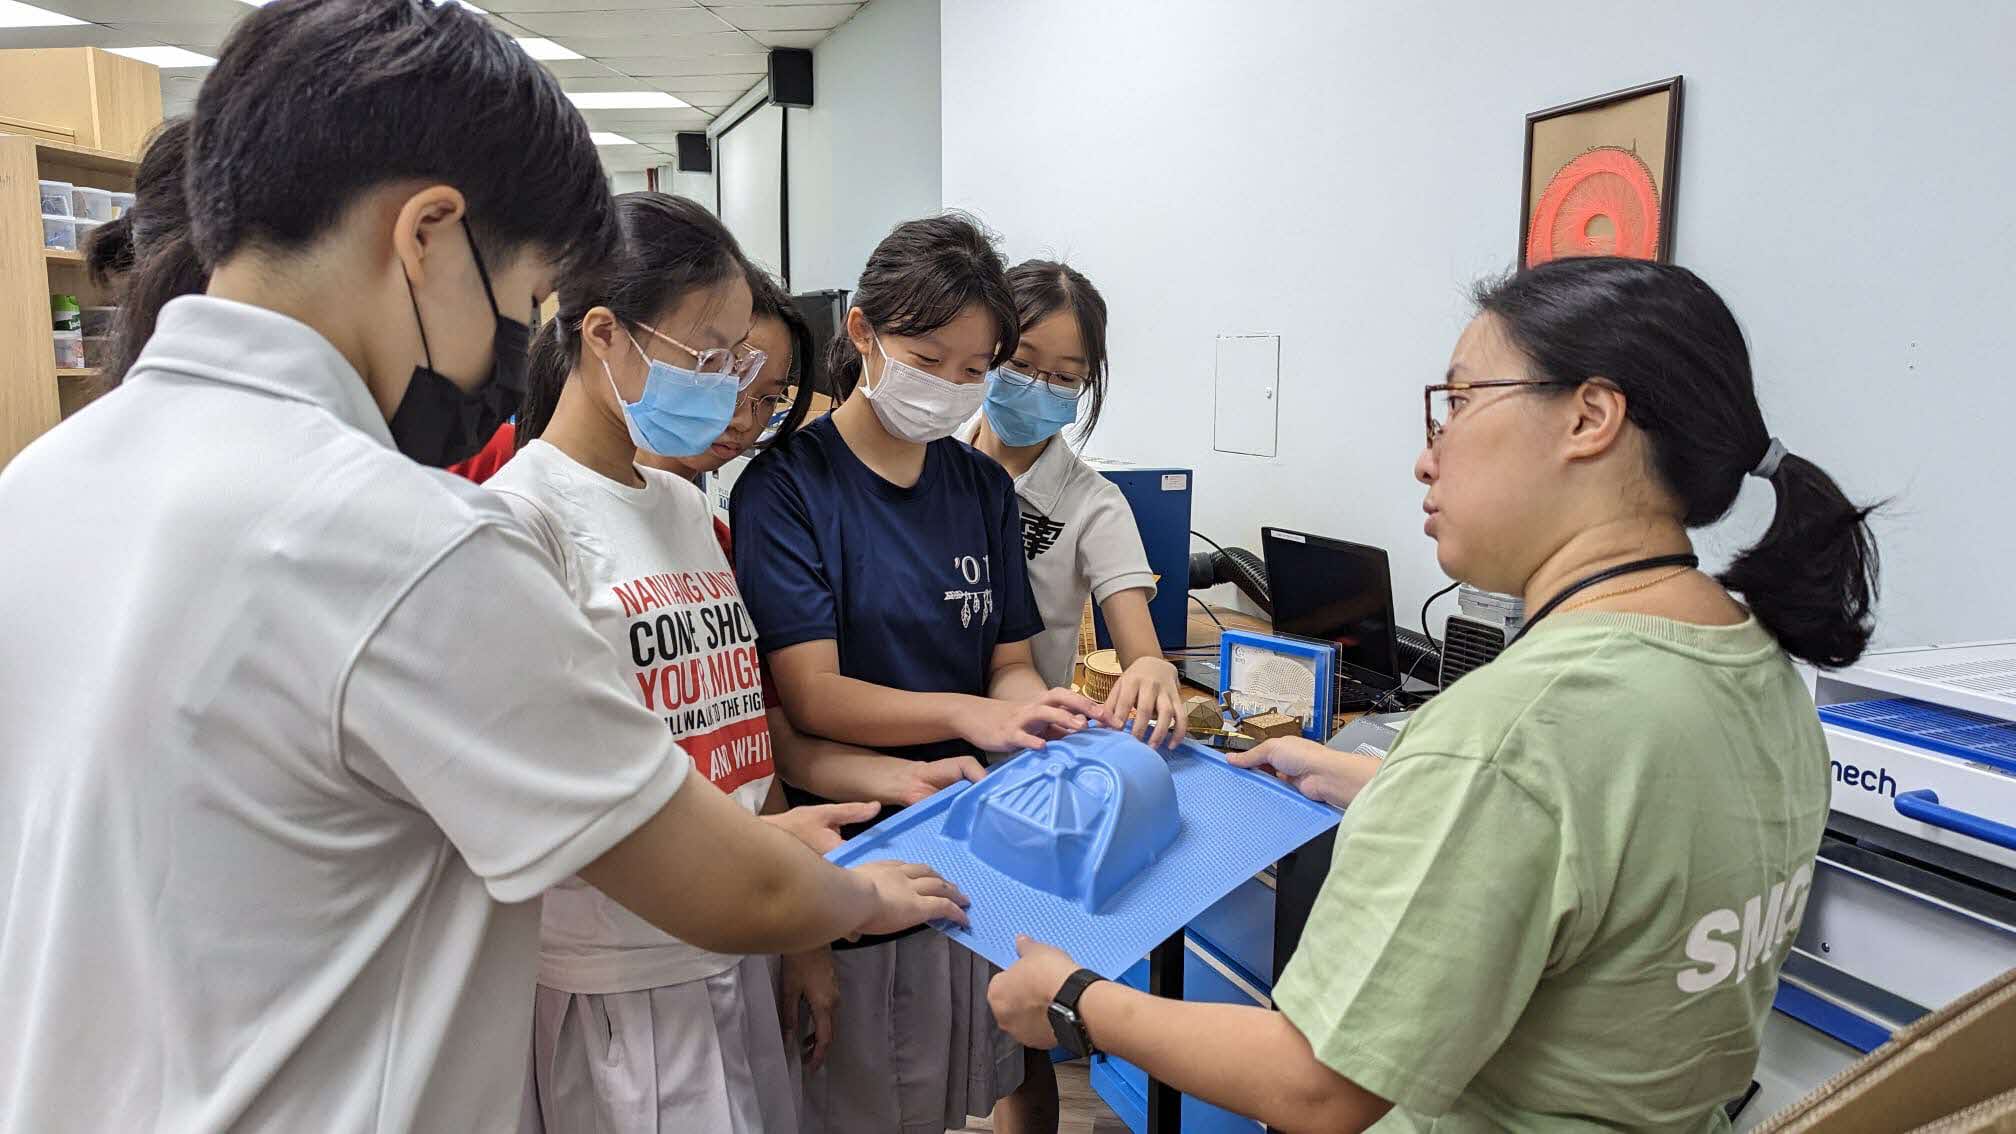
[1441,403]
[1068,385]
[742,360]
[766,407]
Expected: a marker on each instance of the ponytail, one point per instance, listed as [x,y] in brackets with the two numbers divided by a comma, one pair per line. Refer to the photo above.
[546,376]
[163,271]
[1812,579]
[843,365]
[1665,339]
[108,254]
[163,259]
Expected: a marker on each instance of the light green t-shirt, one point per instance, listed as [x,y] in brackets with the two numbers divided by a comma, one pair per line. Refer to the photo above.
[1563,901]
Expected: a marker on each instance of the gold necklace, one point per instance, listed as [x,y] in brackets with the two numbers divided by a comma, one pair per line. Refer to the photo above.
[1627,590]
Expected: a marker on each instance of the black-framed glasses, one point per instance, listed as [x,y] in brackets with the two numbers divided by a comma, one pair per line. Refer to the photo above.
[1442,402]
[1067,385]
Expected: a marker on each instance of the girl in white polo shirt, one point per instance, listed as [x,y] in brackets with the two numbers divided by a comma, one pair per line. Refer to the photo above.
[1078,531]
[635,1030]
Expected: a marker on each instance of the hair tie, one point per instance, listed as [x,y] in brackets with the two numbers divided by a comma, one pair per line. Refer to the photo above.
[1774,455]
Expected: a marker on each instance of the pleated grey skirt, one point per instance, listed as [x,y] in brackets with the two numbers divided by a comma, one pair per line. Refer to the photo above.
[704,1056]
[915,1048]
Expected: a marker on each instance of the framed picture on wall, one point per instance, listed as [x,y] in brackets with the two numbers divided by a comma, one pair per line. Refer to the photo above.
[1601,176]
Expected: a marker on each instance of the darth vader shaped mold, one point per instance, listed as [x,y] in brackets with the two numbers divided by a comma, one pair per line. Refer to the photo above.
[1078,818]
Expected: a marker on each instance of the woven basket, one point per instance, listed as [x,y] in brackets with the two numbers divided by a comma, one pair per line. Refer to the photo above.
[1102,670]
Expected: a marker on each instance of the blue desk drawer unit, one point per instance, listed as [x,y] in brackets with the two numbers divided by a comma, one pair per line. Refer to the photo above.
[1228,950]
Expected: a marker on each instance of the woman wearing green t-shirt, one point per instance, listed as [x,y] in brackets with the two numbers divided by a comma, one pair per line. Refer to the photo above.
[1563,900]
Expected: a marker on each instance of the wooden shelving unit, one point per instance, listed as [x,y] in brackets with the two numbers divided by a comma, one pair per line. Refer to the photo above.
[76,114]
[34,393]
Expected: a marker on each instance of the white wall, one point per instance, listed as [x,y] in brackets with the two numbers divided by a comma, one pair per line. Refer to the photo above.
[1338,173]
[628,181]
[866,155]
[748,167]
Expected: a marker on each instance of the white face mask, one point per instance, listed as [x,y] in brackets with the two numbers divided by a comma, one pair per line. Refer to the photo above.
[918,407]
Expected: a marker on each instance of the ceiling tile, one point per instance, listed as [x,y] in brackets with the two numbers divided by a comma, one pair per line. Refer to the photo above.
[727,42]
[162,31]
[665,137]
[786,17]
[76,35]
[719,84]
[790,38]
[217,11]
[630,122]
[568,27]
[750,63]
[512,8]
[571,69]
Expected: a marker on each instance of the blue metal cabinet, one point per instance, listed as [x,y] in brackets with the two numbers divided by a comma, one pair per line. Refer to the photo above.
[1228,950]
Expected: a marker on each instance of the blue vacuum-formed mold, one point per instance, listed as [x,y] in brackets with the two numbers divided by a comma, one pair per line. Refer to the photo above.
[1078,818]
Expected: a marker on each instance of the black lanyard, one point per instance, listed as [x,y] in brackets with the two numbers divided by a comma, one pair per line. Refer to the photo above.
[1576,588]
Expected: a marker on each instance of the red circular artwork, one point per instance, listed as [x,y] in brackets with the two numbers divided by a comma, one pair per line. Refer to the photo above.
[1603,203]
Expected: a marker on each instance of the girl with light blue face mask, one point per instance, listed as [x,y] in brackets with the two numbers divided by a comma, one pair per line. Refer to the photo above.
[655,363]
[1078,532]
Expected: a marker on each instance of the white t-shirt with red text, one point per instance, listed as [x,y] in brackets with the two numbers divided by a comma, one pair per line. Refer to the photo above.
[646,568]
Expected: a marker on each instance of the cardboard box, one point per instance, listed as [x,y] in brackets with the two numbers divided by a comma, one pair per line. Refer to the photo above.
[1953,1072]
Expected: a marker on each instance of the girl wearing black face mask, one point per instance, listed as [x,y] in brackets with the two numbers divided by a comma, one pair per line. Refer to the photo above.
[438,422]
[352,723]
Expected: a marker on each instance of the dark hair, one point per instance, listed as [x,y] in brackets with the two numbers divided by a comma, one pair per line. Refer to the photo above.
[163,260]
[1665,339]
[922,275]
[772,303]
[1045,287]
[668,246]
[108,255]
[314,102]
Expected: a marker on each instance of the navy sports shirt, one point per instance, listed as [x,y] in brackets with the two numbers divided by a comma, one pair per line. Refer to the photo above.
[915,586]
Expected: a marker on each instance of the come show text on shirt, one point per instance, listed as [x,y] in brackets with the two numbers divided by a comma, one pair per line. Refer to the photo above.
[694,649]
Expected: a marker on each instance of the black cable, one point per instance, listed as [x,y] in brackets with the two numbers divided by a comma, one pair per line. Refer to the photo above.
[1208,611]
[1207,539]
[1437,654]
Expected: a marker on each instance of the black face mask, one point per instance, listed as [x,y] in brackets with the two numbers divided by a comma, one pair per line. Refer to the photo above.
[439,424]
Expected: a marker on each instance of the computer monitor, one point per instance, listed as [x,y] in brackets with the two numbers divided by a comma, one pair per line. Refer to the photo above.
[1338,592]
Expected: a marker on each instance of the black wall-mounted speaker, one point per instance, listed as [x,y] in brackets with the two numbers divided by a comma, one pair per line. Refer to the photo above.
[791,76]
[695,156]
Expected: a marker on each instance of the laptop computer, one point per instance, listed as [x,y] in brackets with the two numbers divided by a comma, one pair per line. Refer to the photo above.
[1340,592]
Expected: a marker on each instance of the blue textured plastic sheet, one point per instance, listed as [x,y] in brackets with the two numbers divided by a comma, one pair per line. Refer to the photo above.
[1234,823]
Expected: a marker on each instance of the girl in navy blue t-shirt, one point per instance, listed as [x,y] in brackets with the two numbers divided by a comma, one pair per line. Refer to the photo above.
[883,562]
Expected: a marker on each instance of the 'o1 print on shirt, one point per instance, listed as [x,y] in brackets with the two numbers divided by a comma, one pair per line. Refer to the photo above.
[694,649]
[976,600]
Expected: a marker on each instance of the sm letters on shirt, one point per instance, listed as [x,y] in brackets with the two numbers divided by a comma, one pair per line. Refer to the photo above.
[1726,944]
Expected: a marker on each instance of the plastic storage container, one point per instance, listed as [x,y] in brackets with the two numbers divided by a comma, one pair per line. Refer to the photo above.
[93,204]
[97,349]
[98,321]
[122,203]
[56,198]
[59,232]
[69,349]
[85,228]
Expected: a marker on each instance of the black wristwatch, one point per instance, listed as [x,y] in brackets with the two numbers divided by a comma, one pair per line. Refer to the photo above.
[1065,1021]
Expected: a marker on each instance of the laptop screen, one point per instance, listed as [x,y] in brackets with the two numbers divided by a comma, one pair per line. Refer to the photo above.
[1339,592]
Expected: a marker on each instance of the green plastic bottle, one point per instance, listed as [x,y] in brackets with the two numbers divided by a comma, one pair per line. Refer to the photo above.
[67,313]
